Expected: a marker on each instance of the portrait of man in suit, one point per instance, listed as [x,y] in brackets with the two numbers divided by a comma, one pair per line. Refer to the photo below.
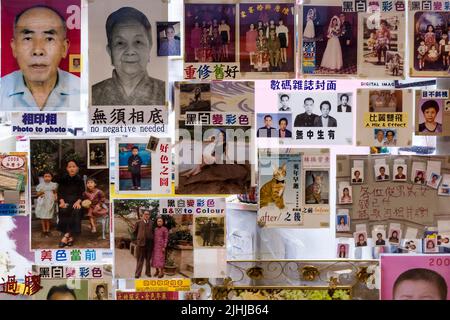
[383,175]
[143,231]
[267,131]
[283,132]
[325,120]
[306,119]
[344,106]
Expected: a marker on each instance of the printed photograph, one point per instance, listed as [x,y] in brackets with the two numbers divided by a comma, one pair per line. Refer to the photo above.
[394,236]
[210,32]
[413,277]
[16,258]
[357,175]
[222,164]
[379,237]
[40,78]
[381,172]
[345,194]
[360,239]
[429,115]
[209,231]
[70,200]
[420,177]
[317,187]
[430,245]
[195,97]
[381,45]
[400,172]
[98,151]
[433,180]
[329,38]
[169,38]
[274,125]
[267,37]
[385,137]
[135,167]
[342,250]
[342,220]
[385,100]
[14,183]
[123,40]
[430,35]
[150,245]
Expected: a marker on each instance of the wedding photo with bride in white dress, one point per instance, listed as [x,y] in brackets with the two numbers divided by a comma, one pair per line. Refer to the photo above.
[329,40]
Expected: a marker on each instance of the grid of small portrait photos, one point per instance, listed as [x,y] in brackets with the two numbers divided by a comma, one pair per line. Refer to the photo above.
[386,203]
[216,150]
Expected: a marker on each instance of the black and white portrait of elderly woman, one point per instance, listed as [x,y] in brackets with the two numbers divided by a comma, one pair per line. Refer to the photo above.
[129,35]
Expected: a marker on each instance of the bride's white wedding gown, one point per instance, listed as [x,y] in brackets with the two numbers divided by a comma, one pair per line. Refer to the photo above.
[309,31]
[332,57]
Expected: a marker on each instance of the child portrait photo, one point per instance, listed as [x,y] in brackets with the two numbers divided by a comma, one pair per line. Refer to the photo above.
[135,167]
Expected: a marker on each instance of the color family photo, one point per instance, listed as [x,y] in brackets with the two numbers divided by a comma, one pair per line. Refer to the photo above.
[151,245]
[70,199]
[329,39]
[267,39]
[37,77]
[381,52]
[210,31]
[429,36]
